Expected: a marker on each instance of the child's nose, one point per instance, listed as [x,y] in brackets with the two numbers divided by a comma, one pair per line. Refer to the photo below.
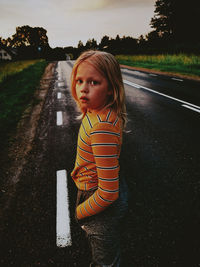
[84,88]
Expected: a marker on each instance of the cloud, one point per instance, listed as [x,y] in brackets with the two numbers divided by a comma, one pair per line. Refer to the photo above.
[88,5]
[127,3]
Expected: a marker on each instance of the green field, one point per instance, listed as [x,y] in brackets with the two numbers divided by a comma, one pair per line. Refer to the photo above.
[182,64]
[19,80]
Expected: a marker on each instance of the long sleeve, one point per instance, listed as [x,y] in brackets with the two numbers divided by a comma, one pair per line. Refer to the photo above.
[105,143]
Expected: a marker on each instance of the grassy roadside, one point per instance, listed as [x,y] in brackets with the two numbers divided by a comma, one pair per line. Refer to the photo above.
[9,68]
[16,93]
[181,64]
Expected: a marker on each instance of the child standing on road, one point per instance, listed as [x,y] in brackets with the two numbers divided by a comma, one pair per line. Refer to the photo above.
[97,87]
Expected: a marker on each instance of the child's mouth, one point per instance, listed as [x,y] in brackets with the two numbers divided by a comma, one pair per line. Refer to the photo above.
[83,99]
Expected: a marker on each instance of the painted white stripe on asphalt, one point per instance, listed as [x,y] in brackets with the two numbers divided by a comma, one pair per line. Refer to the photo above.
[155,92]
[63,233]
[59,95]
[151,74]
[59,118]
[175,79]
[194,109]
[132,84]
[60,84]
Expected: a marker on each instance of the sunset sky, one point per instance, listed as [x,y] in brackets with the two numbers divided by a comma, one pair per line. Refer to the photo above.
[68,21]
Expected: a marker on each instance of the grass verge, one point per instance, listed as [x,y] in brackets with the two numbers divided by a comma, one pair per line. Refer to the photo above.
[183,64]
[9,68]
[16,93]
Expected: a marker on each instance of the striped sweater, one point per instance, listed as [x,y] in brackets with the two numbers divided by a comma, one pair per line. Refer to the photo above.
[97,166]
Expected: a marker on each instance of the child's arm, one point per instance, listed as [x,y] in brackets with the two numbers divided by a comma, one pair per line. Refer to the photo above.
[105,142]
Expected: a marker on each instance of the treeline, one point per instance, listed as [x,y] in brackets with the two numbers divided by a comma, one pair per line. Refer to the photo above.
[26,48]
[175,30]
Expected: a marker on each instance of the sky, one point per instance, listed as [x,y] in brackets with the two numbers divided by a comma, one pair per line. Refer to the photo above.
[68,21]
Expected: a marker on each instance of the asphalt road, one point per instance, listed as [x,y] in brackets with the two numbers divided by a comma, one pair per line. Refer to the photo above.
[160,160]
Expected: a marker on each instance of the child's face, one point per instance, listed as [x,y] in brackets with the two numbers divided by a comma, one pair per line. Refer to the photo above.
[91,88]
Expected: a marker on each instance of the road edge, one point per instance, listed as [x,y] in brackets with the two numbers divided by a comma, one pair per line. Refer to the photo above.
[23,140]
[171,74]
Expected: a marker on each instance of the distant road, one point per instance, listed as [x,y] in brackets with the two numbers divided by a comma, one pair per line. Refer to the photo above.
[160,160]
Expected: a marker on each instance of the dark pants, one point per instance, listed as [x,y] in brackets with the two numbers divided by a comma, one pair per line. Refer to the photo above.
[103,229]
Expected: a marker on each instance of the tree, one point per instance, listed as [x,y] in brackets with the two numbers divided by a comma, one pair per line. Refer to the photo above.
[29,42]
[177,20]
[104,44]
[161,21]
[113,45]
[27,36]
[128,45]
[91,44]
[153,37]
[80,45]
[3,41]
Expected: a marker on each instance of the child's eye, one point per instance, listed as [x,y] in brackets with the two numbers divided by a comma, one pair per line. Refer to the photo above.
[93,82]
[79,81]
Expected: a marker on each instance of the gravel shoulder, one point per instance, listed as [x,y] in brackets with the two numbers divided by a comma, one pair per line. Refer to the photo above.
[16,157]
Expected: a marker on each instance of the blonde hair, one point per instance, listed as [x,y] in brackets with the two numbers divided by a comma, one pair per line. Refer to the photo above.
[108,66]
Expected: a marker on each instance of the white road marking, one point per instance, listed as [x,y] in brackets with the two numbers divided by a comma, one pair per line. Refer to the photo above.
[132,84]
[60,84]
[194,109]
[155,92]
[175,79]
[59,118]
[151,74]
[63,233]
[59,95]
